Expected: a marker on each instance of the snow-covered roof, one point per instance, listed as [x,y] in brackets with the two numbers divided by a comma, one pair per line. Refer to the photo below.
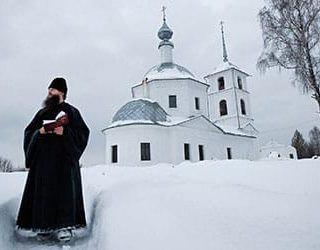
[141,109]
[168,71]
[226,66]
[235,131]
[169,121]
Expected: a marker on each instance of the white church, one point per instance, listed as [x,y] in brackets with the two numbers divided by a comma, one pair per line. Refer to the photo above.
[175,117]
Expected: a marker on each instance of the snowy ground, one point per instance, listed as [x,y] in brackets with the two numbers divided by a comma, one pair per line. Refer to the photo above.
[208,205]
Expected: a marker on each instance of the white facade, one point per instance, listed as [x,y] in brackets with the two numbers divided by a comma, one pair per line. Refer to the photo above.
[167,143]
[175,117]
[275,150]
[233,92]
[185,90]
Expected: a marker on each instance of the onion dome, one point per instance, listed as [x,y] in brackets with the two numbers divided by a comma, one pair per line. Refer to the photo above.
[165,33]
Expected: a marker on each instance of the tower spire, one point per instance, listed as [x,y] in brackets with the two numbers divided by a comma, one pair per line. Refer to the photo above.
[164,13]
[225,55]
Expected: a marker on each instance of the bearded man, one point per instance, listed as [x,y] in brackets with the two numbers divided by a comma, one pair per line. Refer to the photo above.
[52,201]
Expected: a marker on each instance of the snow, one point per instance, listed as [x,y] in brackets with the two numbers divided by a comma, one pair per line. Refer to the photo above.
[225,66]
[237,204]
[173,72]
[168,73]
[235,131]
[171,121]
[128,122]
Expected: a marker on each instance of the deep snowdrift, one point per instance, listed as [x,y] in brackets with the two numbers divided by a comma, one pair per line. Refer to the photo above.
[208,205]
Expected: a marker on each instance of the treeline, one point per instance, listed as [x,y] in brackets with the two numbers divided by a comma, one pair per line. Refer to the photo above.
[307,149]
[6,165]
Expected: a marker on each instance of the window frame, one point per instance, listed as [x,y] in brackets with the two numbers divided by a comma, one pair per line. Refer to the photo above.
[172,100]
[201,152]
[240,82]
[187,152]
[114,153]
[197,103]
[243,107]
[229,153]
[145,151]
[223,108]
[221,83]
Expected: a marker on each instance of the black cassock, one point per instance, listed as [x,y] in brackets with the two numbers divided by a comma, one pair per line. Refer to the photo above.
[52,198]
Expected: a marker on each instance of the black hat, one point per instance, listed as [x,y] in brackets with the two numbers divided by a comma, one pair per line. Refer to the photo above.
[60,84]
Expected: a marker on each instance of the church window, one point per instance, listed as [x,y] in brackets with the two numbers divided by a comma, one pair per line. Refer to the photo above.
[145,151]
[239,82]
[201,154]
[114,153]
[187,151]
[197,103]
[221,83]
[291,156]
[172,101]
[229,155]
[223,107]
[243,107]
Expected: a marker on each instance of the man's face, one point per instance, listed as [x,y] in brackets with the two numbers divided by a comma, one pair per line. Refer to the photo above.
[52,92]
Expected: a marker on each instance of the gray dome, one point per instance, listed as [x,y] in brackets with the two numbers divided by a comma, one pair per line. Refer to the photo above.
[168,71]
[142,110]
[165,33]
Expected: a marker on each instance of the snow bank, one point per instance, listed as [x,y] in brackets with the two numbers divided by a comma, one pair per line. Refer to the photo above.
[204,205]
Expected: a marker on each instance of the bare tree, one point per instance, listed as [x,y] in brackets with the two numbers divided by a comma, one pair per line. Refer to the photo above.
[291,35]
[314,135]
[5,165]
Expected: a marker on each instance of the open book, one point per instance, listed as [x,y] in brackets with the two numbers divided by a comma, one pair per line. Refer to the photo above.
[61,119]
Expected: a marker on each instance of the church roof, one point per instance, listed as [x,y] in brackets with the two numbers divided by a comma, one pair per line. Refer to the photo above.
[141,110]
[168,71]
[226,66]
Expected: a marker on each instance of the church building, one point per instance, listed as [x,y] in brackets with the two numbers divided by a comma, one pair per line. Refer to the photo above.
[175,117]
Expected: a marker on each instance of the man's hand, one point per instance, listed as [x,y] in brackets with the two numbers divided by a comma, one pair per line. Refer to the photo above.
[42,130]
[58,130]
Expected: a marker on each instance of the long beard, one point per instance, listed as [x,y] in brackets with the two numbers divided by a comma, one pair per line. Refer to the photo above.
[51,101]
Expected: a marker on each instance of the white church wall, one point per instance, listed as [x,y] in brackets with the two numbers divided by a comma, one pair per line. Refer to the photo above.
[214,106]
[167,143]
[243,79]
[185,90]
[197,90]
[128,139]
[216,143]
[212,80]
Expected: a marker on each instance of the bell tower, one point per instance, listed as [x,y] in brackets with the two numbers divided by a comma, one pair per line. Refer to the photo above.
[228,96]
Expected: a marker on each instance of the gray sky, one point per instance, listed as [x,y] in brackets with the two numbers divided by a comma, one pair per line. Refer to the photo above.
[103,48]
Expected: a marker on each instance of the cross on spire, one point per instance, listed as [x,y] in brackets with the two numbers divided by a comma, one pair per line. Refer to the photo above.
[164,12]
[225,55]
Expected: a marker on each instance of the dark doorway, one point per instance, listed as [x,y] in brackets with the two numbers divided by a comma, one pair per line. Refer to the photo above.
[201,154]
[229,155]
[114,153]
[187,151]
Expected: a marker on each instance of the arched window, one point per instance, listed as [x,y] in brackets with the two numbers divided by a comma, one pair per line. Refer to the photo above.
[243,107]
[239,82]
[221,83]
[223,107]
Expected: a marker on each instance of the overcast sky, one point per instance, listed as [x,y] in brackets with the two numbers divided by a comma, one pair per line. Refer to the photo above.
[103,48]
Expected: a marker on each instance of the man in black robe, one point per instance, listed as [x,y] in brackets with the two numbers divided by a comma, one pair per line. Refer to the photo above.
[52,200]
